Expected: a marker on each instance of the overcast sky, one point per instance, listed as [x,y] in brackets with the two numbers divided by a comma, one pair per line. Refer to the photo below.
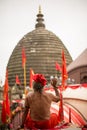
[66,18]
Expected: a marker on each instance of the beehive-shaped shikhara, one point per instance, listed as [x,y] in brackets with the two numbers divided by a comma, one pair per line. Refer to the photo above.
[42,48]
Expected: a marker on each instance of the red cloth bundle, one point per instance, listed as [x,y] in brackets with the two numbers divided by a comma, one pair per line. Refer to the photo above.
[39,78]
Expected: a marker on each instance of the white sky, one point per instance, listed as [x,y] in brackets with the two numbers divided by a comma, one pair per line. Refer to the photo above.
[66,18]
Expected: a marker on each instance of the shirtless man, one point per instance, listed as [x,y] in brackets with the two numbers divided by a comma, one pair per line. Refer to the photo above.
[38,104]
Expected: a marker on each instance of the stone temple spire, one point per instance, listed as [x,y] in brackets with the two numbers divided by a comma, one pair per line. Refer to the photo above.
[40,19]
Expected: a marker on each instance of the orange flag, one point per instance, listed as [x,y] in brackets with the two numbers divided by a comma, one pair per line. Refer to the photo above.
[23,57]
[31,77]
[24,67]
[17,80]
[64,71]
[57,66]
[6,104]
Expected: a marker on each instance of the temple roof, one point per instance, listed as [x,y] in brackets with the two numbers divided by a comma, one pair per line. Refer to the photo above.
[79,61]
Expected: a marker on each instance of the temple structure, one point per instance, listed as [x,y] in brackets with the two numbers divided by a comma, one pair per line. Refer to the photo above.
[42,48]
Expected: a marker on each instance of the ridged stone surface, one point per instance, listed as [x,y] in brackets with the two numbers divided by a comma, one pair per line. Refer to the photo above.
[43,48]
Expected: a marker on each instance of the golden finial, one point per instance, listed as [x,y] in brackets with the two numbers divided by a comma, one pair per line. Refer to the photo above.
[39,9]
[39,19]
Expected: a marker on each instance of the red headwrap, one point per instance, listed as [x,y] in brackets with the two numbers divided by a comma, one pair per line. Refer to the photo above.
[39,78]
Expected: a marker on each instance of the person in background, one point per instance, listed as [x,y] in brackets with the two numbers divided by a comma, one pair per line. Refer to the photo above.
[37,105]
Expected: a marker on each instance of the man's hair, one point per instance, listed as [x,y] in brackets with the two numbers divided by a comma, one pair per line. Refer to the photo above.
[37,87]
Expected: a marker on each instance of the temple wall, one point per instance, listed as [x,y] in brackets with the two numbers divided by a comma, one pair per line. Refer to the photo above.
[78,74]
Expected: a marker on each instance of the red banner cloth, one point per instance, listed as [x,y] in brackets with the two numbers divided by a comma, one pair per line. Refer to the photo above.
[17,80]
[31,77]
[57,66]
[64,71]
[46,124]
[6,104]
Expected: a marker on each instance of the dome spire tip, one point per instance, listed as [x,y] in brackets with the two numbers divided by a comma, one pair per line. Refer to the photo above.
[40,19]
[39,9]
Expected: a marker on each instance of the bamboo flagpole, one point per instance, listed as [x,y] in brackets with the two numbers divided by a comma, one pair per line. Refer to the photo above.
[69,115]
[61,111]
[24,67]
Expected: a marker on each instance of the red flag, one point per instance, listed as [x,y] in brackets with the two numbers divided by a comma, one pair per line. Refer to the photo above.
[6,104]
[3,114]
[17,80]
[31,77]
[61,111]
[64,71]
[57,66]
[23,57]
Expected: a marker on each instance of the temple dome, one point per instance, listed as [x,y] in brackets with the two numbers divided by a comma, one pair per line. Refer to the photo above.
[42,48]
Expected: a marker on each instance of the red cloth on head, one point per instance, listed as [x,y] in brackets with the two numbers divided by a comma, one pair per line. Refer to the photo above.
[46,124]
[39,78]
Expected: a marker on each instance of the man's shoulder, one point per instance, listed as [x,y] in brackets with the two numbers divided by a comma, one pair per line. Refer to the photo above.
[30,94]
[48,94]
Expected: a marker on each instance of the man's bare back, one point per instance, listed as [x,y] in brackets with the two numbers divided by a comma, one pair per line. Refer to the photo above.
[40,104]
